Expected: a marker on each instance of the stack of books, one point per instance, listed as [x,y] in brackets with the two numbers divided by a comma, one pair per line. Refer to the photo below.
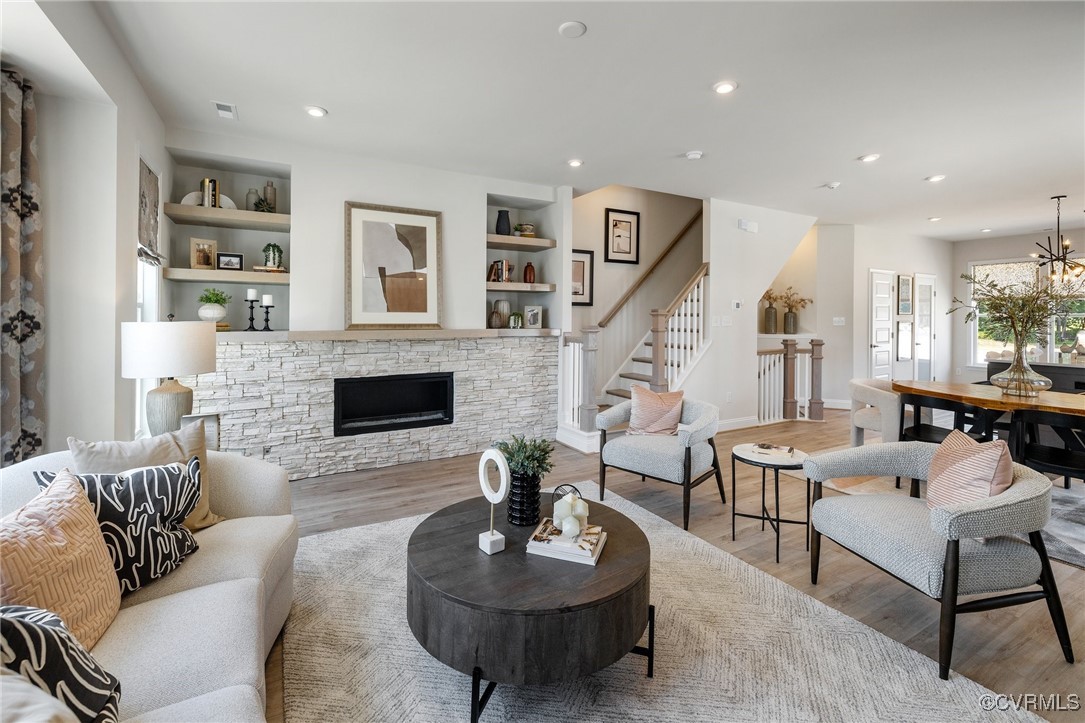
[584,548]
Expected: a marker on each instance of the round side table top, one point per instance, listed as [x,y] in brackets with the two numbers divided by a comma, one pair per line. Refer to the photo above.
[771,456]
[443,553]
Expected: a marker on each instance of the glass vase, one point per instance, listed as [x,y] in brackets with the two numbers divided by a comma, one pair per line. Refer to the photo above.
[1019,380]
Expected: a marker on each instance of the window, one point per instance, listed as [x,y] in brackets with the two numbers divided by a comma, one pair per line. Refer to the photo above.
[147,284]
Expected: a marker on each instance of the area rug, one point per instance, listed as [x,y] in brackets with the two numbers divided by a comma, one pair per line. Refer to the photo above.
[732,644]
[1064,535]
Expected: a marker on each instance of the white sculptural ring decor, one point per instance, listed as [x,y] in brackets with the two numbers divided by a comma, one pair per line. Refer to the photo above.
[493,541]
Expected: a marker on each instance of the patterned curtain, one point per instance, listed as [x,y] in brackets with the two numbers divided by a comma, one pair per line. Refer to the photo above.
[22,351]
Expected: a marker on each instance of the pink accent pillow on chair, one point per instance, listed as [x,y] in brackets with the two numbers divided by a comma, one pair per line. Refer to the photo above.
[964,470]
[655,413]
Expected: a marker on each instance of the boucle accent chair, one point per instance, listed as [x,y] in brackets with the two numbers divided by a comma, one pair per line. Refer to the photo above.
[686,459]
[942,551]
[874,407]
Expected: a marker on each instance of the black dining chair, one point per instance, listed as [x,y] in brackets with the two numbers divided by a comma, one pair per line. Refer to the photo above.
[976,422]
[1068,460]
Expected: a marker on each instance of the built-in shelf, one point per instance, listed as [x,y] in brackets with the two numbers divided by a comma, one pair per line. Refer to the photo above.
[227,218]
[518,243]
[514,286]
[218,276]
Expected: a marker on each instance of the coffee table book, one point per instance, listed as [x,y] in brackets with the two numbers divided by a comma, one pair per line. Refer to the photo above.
[585,548]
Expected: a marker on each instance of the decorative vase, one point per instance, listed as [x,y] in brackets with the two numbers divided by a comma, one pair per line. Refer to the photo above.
[1019,380]
[273,258]
[251,198]
[502,307]
[770,319]
[269,195]
[504,225]
[529,273]
[212,312]
[791,322]
[524,499]
[495,319]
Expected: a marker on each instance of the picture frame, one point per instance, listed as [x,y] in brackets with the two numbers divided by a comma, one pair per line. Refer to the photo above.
[533,317]
[904,341]
[202,252]
[622,241]
[583,277]
[225,261]
[904,295]
[148,221]
[210,427]
[393,267]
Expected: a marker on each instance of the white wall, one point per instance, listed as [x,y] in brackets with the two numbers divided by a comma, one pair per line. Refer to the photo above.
[742,267]
[662,215]
[77,147]
[800,272]
[1006,248]
[833,299]
[321,181]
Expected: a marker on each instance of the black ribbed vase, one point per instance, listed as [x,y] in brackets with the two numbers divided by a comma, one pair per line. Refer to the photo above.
[524,499]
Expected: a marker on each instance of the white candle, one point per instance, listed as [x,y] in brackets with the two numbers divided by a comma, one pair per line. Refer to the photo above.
[267,301]
[251,295]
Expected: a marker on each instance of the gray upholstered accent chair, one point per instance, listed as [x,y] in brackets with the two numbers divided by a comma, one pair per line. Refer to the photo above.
[874,407]
[940,552]
[686,459]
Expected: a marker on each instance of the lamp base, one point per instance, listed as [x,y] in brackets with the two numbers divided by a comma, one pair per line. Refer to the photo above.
[166,405]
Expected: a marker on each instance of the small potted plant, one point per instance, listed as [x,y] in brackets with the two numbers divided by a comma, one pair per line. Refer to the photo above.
[527,230]
[273,255]
[214,305]
[792,302]
[529,461]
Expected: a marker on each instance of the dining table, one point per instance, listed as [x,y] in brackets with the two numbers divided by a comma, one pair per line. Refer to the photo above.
[988,396]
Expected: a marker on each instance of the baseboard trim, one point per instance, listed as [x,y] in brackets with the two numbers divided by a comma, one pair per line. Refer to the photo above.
[737,423]
[837,403]
[586,442]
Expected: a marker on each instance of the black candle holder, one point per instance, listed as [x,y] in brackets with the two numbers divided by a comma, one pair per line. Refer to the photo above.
[252,306]
[267,317]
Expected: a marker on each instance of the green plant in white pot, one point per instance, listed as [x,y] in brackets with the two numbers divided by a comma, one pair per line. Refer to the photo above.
[214,303]
[273,255]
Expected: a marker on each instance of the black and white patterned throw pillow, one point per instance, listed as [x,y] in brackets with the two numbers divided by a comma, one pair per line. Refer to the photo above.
[140,512]
[38,646]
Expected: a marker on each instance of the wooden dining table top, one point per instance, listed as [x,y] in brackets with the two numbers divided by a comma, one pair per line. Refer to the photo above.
[991,397]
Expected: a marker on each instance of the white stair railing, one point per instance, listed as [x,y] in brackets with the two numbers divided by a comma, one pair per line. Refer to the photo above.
[570,402]
[578,390]
[789,383]
[770,386]
[678,338]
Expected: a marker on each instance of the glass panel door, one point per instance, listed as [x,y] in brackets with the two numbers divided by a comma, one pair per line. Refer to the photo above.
[924,327]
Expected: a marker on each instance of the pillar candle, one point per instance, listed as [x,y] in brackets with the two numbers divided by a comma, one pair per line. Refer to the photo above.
[267,301]
[251,295]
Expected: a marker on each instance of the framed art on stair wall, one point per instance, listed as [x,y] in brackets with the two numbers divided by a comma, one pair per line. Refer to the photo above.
[583,276]
[623,237]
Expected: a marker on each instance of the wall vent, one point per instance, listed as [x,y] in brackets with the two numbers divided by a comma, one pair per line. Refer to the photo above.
[225,110]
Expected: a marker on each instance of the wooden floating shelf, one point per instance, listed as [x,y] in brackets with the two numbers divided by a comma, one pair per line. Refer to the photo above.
[227,218]
[213,276]
[513,286]
[518,243]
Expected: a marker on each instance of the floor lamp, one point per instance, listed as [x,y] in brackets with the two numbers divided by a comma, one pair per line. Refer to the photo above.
[167,349]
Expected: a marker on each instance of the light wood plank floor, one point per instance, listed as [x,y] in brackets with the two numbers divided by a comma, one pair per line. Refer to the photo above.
[1011,651]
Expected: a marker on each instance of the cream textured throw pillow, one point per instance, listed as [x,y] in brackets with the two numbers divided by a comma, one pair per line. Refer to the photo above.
[179,446]
[963,470]
[53,556]
[655,413]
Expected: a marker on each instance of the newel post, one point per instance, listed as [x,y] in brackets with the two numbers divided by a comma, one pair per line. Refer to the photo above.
[817,404]
[659,351]
[588,406]
[791,405]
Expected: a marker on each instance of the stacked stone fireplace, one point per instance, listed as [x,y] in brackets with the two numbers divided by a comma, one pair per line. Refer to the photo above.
[276,399]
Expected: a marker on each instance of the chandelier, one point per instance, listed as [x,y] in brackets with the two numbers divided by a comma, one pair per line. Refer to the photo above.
[1062,266]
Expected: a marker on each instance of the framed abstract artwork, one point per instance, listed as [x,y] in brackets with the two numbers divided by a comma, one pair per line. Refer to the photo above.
[583,277]
[622,237]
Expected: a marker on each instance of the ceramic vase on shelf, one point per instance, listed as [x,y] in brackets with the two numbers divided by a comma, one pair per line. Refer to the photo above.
[791,322]
[212,312]
[503,309]
[770,319]
[529,273]
[269,195]
[524,499]
[504,225]
[251,198]
[1019,380]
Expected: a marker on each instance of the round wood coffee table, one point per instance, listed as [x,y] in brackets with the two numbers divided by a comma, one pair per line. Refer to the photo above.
[518,618]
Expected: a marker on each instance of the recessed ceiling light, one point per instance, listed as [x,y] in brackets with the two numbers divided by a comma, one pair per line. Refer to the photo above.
[935,218]
[870,157]
[576,162]
[572,29]
[694,155]
[725,86]
[934,179]
[832,185]
[985,230]
[316,111]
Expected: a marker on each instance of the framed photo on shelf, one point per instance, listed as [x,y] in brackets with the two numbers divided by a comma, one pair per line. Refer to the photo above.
[532,317]
[904,296]
[623,237]
[583,287]
[202,253]
[229,262]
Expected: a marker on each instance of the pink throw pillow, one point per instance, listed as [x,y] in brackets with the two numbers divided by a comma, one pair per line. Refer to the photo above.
[963,470]
[655,413]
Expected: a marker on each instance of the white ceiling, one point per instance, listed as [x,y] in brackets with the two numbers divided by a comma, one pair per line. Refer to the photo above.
[990,94]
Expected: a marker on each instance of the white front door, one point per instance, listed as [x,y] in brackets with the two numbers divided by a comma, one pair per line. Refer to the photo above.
[881,324]
[924,327]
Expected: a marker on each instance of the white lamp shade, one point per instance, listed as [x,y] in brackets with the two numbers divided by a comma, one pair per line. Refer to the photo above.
[166,348]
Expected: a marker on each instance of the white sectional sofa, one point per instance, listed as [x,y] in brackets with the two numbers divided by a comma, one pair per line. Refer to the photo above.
[192,645]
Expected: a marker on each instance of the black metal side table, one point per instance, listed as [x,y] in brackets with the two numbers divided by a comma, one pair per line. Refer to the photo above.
[775,458]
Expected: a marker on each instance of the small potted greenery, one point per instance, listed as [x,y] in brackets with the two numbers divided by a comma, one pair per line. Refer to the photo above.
[273,255]
[529,461]
[527,230]
[214,305]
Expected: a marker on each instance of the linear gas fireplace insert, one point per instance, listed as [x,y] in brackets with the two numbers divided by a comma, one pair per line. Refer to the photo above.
[398,401]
